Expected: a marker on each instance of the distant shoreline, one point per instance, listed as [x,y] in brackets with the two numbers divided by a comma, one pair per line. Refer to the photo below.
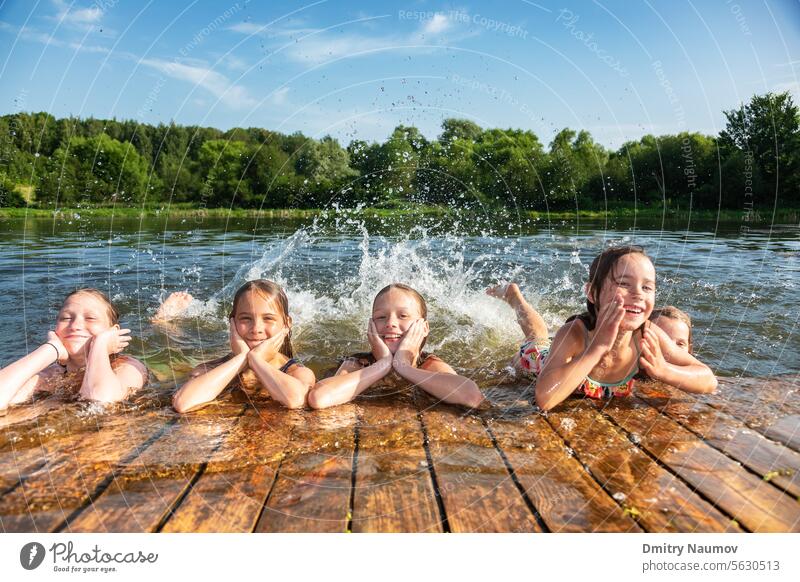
[783,215]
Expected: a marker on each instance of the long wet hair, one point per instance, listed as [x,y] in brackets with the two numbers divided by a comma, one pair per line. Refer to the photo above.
[601,268]
[270,291]
[423,307]
[672,312]
[111,310]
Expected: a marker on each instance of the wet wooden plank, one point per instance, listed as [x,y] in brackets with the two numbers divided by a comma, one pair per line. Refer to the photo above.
[394,489]
[754,503]
[786,430]
[761,403]
[76,466]
[25,413]
[145,488]
[230,492]
[773,461]
[313,489]
[477,490]
[659,501]
[565,495]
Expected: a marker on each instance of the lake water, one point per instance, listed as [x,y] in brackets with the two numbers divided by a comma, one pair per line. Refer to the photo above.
[742,290]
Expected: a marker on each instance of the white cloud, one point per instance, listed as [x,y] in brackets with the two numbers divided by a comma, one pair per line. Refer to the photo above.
[32,35]
[81,17]
[279,96]
[436,25]
[313,45]
[234,96]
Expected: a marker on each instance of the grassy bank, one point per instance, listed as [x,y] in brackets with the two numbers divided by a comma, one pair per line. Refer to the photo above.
[783,215]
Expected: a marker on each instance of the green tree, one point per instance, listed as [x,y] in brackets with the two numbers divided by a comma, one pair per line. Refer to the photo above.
[768,129]
[94,169]
[222,163]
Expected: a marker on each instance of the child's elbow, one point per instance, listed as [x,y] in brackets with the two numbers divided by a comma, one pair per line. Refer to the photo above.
[296,401]
[317,399]
[712,386]
[544,402]
[180,404]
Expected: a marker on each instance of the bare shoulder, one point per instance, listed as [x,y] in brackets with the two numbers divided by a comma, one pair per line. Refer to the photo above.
[132,370]
[302,373]
[572,332]
[436,364]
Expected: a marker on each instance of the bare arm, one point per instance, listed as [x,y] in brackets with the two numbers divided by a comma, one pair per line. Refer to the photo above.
[205,385]
[662,360]
[441,381]
[20,378]
[100,381]
[289,388]
[567,364]
[350,380]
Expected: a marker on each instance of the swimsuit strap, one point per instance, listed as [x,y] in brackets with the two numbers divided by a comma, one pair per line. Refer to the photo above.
[289,364]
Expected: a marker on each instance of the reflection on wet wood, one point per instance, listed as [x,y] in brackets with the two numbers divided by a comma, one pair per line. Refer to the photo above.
[771,460]
[313,488]
[145,489]
[75,467]
[394,488]
[565,495]
[754,503]
[657,499]
[478,492]
[397,461]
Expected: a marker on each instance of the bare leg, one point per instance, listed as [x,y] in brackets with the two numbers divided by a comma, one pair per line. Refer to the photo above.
[172,307]
[532,324]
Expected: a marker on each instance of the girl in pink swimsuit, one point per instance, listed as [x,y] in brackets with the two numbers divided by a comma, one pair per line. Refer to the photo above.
[598,353]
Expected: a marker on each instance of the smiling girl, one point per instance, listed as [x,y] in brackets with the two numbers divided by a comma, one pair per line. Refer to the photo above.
[83,350]
[396,332]
[598,353]
[261,353]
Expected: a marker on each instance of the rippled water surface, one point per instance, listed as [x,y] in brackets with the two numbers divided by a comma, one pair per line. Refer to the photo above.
[741,289]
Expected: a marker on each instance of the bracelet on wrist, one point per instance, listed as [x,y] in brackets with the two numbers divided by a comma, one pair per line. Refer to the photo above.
[58,354]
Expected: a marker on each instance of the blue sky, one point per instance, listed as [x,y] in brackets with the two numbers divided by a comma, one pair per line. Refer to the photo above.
[357,69]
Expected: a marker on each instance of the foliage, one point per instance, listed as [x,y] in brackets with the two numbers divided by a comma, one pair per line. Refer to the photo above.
[71,161]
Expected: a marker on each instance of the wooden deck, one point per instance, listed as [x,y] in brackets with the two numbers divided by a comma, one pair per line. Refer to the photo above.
[662,461]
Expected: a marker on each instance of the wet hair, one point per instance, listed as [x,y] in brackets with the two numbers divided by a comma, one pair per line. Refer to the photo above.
[111,311]
[423,307]
[601,268]
[270,291]
[672,312]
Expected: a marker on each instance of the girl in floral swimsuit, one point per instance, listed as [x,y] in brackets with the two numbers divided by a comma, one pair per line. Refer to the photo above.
[599,352]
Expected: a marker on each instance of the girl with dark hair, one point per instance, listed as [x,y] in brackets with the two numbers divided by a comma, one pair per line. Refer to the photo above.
[261,351]
[599,352]
[396,332]
[83,350]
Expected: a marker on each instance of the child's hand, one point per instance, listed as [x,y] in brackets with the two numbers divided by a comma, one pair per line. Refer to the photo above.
[608,321]
[652,360]
[54,340]
[411,344]
[112,341]
[378,347]
[238,345]
[270,347]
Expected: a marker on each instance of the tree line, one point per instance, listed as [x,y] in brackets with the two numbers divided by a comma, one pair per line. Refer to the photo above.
[48,163]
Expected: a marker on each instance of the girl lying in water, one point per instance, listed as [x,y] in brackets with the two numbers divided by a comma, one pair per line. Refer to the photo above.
[261,356]
[84,350]
[599,352]
[397,332]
